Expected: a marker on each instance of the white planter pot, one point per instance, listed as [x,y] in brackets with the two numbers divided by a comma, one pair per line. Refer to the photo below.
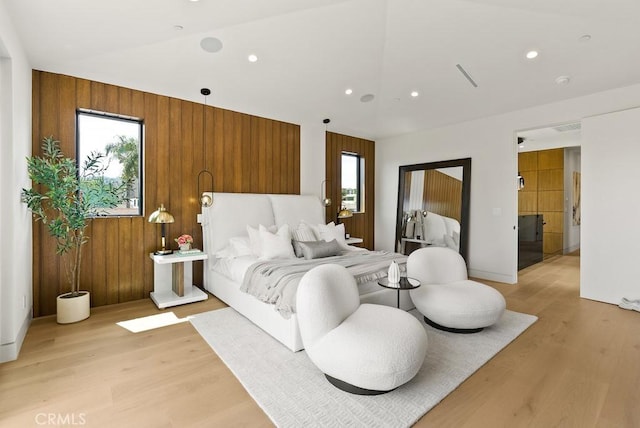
[73,309]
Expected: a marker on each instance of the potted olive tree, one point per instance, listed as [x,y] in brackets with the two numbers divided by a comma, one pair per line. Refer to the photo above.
[66,198]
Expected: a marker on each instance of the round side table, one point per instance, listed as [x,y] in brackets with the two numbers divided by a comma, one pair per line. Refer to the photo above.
[404,284]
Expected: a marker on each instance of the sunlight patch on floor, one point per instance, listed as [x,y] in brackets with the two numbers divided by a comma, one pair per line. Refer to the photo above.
[153,321]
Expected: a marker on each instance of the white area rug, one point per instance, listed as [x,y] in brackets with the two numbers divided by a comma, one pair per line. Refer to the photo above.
[294,393]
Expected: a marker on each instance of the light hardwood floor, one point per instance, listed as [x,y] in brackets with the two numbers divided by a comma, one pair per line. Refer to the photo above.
[578,366]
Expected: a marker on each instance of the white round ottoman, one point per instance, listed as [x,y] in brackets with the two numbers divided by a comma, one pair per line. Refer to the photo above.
[446,297]
[362,349]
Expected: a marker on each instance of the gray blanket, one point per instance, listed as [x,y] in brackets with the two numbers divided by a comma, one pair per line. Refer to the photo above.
[276,281]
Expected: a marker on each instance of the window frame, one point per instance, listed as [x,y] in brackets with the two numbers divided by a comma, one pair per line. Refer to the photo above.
[359,180]
[123,118]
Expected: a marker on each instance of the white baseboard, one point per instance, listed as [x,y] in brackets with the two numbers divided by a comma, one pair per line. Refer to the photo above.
[492,276]
[10,351]
[571,249]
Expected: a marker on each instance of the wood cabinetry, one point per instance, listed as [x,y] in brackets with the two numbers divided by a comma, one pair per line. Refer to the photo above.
[543,172]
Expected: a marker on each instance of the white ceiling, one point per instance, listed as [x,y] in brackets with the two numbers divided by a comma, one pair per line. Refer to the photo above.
[310,51]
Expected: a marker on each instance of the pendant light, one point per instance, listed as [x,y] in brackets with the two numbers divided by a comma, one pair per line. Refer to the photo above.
[206,199]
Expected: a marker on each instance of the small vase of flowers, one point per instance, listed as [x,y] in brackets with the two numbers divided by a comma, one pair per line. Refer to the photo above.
[184,242]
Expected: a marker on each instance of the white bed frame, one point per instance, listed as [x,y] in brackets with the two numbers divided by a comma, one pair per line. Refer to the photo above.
[228,217]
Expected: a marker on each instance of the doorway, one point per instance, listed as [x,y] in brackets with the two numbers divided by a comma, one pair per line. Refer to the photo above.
[548,192]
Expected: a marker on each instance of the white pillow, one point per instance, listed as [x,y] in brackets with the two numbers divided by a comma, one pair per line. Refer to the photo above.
[276,246]
[240,246]
[237,247]
[329,232]
[434,229]
[448,240]
[224,252]
[254,238]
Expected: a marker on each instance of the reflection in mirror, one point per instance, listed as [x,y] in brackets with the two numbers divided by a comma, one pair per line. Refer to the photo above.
[433,205]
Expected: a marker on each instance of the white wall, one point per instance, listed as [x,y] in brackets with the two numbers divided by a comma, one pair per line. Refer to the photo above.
[312,157]
[491,144]
[572,163]
[610,207]
[15,220]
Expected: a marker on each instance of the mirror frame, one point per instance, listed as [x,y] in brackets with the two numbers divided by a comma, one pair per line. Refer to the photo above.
[465,163]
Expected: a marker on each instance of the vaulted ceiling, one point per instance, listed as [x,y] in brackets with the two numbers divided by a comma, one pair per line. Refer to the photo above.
[310,51]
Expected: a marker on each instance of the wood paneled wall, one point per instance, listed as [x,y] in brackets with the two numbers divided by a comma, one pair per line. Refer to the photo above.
[244,153]
[441,194]
[361,225]
[543,193]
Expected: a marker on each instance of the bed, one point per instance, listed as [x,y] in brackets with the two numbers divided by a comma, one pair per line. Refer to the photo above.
[228,217]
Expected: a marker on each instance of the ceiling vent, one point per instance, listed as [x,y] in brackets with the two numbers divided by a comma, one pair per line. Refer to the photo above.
[467,76]
[568,127]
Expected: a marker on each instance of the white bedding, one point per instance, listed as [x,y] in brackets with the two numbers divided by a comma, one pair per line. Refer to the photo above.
[233,268]
[275,281]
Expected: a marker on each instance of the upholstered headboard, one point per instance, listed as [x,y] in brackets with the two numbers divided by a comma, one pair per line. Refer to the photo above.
[230,214]
[290,209]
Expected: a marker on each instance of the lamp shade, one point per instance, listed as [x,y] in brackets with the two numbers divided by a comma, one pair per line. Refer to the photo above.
[345,213]
[161,215]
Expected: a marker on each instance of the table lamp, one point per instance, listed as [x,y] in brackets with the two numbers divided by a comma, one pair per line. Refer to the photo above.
[343,213]
[162,216]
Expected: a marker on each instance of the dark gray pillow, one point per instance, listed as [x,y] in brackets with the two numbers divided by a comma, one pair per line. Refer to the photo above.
[297,248]
[319,249]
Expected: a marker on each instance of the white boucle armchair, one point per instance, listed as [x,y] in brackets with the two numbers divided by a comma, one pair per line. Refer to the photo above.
[361,348]
[446,297]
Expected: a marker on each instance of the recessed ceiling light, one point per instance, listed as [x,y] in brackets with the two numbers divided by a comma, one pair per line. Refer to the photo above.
[211,44]
[178,27]
[531,54]
[414,94]
[563,80]
[194,1]
[252,58]
[348,91]
[585,38]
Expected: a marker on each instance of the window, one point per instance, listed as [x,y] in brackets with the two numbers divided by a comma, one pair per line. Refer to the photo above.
[352,182]
[119,139]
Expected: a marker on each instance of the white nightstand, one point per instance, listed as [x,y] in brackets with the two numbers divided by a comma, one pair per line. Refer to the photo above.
[352,240]
[173,279]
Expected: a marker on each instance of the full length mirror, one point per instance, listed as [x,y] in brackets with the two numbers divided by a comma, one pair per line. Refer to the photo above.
[433,205]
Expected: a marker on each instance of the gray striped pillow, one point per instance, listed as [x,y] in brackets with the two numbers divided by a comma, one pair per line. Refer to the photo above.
[303,233]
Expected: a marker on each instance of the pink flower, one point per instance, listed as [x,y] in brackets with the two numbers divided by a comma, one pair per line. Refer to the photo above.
[184,239]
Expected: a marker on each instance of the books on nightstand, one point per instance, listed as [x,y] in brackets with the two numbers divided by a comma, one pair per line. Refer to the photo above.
[188,252]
